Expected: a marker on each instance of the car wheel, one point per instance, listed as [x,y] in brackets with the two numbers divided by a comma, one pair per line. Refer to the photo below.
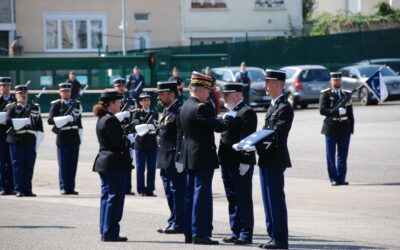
[365,97]
[304,105]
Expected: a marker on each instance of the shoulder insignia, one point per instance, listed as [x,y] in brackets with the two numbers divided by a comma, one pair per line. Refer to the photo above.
[55,101]
[325,90]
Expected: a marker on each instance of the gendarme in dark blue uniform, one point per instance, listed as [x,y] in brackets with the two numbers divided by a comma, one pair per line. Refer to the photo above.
[171,173]
[273,161]
[237,167]
[24,134]
[146,147]
[338,127]
[6,170]
[66,117]
[111,163]
[199,157]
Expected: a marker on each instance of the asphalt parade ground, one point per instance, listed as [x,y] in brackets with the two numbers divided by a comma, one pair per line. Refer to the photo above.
[363,215]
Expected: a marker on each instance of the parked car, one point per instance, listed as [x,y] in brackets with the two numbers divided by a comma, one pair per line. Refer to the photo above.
[258,98]
[393,63]
[304,83]
[354,76]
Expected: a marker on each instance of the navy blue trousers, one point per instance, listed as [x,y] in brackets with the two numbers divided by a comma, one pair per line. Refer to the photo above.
[239,192]
[6,170]
[337,164]
[272,189]
[67,163]
[146,159]
[23,159]
[174,188]
[111,202]
[199,203]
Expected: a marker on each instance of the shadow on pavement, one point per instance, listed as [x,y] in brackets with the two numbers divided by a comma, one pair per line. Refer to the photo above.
[37,227]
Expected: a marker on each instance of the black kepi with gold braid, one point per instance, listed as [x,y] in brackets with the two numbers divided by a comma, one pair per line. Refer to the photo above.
[201,80]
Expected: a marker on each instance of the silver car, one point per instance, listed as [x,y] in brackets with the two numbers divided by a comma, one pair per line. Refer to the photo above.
[354,76]
[258,98]
[304,83]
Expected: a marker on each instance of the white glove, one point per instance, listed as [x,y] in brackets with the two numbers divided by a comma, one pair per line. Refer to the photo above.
[131,138]
[230,113]
[122,115]
[342,111]
[179,167]
[249,148]
[70,118]
[39,139]
[243,168]
[27,121]
[2,117]
[151,127]
[235,147]
[80,132]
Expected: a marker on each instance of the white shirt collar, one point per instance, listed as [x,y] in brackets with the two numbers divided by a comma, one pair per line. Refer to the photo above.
[237,104]
[273,101]
[147,110]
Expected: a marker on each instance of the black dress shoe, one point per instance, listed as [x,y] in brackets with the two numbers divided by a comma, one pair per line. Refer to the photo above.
[173,230]
[73,192]
[334,183]
[19,194]
[242,241]
[130,193]
[4,192]
[272,245]
[161,230]
[151,194]
[343,183]
[229,239]
[30,194]
[63,192]
[142,194]
[188,240]
[114,239]
[205,241]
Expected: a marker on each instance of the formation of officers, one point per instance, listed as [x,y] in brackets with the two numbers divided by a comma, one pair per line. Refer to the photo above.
[180,143]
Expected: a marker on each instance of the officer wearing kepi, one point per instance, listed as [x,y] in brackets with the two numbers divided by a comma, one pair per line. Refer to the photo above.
[65,115]
[111,163]
[146,146]
[171,172]
[24,134]
[337,128]
[199,157]
[237,167]
[128,105]
[6,171]
[274,159]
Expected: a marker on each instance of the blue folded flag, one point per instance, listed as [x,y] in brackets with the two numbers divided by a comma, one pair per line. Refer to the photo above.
[377,86]
[255,137]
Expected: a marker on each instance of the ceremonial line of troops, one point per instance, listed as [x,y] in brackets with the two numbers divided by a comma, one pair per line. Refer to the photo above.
[182,145]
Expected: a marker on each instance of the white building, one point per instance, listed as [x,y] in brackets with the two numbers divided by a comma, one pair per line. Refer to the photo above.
[218,21]
[365,7]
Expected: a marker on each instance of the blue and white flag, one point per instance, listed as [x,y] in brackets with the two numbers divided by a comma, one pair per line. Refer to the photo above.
[377,86]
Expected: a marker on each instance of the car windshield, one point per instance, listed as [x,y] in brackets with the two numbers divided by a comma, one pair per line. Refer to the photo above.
[257,75]
[370,70]
[289,73]
[309,75]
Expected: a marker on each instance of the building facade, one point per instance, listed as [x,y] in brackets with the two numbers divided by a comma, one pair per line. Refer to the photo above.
[218,21]
[365,7]
[7,25]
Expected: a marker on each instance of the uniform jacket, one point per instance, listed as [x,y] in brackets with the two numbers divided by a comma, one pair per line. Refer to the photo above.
[148,141]
[335,124]
[114,146]
[244,124]
[3,105]
[197,148]
[167,133]
[279,118]
[67,137]
[26,135]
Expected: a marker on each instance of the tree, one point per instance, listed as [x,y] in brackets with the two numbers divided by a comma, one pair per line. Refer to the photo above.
[308,8]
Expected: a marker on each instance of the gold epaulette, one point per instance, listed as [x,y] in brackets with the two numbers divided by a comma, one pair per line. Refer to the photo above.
[324,90]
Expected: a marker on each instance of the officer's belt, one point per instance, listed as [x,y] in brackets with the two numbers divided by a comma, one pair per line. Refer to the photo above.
[26,131]
[69,128]
[344,118]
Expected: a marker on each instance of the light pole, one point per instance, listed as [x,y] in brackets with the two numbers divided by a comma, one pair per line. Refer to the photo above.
[123,24]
